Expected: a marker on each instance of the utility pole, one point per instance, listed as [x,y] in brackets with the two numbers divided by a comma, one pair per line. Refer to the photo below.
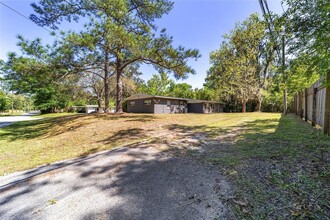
[276,38]
[285,103]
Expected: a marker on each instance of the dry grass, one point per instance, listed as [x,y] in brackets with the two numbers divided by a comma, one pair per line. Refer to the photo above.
[24,145]
[278,165]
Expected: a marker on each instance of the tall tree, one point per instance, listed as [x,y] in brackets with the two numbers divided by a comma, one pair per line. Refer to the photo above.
[5,101]
[235,66]
[205,94]
[157,85]
[94,84]
[309,24]
[119,33]
[266,59]
[181,90]
[41,71]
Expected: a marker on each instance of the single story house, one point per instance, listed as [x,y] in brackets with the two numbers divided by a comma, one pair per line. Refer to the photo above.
[143,103]
[203,106]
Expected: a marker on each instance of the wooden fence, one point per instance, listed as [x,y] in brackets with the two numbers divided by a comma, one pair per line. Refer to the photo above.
[313,104]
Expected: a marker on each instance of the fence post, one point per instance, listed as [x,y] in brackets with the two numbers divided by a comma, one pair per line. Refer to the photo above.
[306,105]
[326,124]
[298,103]
[301,112]
[295,104]
[314,107]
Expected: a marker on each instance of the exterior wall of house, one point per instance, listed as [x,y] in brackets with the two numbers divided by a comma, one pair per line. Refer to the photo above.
[170,106]
[208,108]
[139,106]
[212,107]
[205,107]
[195,108]
[219,107]
[157,106]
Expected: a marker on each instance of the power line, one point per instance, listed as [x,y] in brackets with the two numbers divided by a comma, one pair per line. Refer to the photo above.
[22,15]
[27,18]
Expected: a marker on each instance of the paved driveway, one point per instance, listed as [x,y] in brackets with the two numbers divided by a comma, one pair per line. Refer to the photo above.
[125,183]
[8,120]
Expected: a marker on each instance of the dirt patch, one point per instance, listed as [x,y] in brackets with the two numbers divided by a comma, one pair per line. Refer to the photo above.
[274,168]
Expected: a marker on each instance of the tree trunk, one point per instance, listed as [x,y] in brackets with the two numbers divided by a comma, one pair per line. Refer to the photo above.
[99,103]
[244,106]
[119,95]
[326,126]
[106,94]
[106,84]
[259,101]
[285,103]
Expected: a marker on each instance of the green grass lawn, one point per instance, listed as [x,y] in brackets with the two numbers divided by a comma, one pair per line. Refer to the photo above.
[278,165]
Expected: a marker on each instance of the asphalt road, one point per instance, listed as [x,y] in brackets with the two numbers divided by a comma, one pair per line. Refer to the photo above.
[8,120]
[125,183]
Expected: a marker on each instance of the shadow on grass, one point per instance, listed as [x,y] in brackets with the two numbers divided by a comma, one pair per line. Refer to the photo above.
[273,163]
[285,167]
[125,136]
[32,129]
[45,126]
[281,167]
[126,117]
[126,183]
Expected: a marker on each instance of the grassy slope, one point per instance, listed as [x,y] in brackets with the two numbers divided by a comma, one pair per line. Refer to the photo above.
[28,144]
[279,166]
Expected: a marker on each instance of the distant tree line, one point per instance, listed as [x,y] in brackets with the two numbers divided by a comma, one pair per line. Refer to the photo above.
[247,71]
[161,84]
[9,102]
[100,64]
[118,36]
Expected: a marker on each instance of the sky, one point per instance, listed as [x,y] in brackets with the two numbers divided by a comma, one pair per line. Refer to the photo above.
[195,24]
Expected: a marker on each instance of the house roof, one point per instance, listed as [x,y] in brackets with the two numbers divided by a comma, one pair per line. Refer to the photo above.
[84,106]
[192,101]
[146,96]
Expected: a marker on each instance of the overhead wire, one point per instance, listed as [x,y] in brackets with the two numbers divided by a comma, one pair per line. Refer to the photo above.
[267,15]
[27,18]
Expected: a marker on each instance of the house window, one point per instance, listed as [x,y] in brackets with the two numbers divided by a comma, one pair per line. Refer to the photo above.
[132,103]
[147,102]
